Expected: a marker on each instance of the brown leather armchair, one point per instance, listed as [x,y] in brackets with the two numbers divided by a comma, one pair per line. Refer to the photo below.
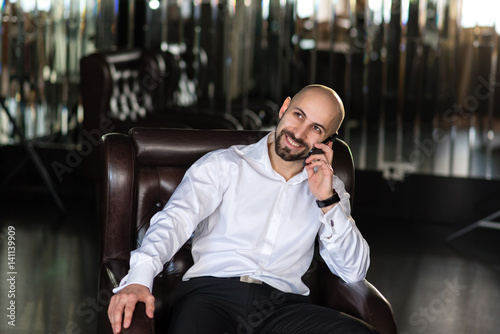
[125,88]
[140,172]
[132,88]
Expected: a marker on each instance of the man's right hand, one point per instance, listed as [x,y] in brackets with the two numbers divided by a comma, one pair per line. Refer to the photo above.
[123,304]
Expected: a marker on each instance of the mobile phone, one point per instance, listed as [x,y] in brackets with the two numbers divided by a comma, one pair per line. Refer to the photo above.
[316,150]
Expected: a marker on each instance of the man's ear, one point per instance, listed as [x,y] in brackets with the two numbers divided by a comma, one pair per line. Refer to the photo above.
[284,107]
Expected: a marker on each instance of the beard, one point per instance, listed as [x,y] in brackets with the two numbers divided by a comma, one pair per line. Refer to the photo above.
[285,152]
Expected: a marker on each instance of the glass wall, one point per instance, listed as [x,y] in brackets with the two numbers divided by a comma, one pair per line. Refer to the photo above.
[42,42]
[419,78]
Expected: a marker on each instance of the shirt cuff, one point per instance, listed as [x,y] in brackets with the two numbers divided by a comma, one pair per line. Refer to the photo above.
[143,275]
[336,222]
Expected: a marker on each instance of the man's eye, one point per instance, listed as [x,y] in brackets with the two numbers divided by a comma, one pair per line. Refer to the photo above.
[299,115]
[317,129]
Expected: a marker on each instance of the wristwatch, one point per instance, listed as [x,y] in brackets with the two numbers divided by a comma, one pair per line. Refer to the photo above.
[329,201]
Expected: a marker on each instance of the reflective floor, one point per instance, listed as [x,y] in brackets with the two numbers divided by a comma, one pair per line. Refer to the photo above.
[55,280]
[434,286]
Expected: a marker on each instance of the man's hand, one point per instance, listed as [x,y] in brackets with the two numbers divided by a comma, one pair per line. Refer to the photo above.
[124,303]
[320,182]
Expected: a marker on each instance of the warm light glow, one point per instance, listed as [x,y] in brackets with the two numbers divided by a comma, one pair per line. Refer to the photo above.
[44,5]
[376,7]
[265,9]
[405,12]
[440,9]
[387,11]
[154,4]
[324,11]
[482,13]
[28,5]
[186,9]
[321,9]
[305,8]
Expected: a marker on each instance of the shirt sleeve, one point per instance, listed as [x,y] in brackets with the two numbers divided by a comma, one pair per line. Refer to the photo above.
[196,197]
[341,244]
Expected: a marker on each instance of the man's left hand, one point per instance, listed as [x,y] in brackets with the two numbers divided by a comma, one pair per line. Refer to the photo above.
[320,181]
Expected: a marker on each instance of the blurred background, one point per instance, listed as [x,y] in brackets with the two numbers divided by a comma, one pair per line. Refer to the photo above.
[418,77]
[420,80]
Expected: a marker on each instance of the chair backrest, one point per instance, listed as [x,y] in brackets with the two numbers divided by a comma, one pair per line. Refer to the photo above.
[122,84]
[141,171]
[144,168]
[126,88]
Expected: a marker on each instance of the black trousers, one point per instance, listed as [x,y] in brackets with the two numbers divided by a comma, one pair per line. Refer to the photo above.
[210,305]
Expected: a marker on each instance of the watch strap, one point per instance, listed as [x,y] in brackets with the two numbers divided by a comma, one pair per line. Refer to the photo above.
[329,201]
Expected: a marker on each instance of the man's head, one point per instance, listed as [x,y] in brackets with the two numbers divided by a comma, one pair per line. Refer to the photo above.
[311,116]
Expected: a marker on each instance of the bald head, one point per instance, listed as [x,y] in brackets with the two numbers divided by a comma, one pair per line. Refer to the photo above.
[328,96]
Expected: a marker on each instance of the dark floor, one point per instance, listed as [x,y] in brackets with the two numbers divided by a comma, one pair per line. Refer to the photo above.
[56,262]
[434,286]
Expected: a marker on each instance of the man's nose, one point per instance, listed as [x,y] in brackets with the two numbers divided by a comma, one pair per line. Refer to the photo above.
[300,132]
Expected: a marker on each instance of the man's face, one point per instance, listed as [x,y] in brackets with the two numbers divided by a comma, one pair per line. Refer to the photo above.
[285,151]
[303,123]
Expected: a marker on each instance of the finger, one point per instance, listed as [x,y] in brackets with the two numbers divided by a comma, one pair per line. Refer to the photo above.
[150,306]
[115,312]
[129,312]
[111,312]
[316,157]
[329,153]
[328,146]
[330,158]
[110,307]
[322,165]
[327,150]
[309,170]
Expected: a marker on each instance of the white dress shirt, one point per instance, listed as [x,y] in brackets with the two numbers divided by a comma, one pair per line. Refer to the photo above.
[248,220]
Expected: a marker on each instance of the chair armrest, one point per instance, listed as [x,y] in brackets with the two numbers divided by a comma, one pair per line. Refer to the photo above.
[116,197]
[141,323]
[112,271]
[377,311]
[359,299]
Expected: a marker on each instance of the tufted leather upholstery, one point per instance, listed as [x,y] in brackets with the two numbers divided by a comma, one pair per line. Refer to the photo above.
[121,84]
[142,169]
[133,88]
[127,88]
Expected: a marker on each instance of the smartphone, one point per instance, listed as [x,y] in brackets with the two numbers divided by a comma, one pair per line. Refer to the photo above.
[316,150]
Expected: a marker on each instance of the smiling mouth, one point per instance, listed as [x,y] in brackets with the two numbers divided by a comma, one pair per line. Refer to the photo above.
[292,142]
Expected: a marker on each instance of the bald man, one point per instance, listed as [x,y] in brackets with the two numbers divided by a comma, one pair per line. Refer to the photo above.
[255,211]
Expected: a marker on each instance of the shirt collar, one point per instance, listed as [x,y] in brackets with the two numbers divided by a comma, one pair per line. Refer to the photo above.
[260,153]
